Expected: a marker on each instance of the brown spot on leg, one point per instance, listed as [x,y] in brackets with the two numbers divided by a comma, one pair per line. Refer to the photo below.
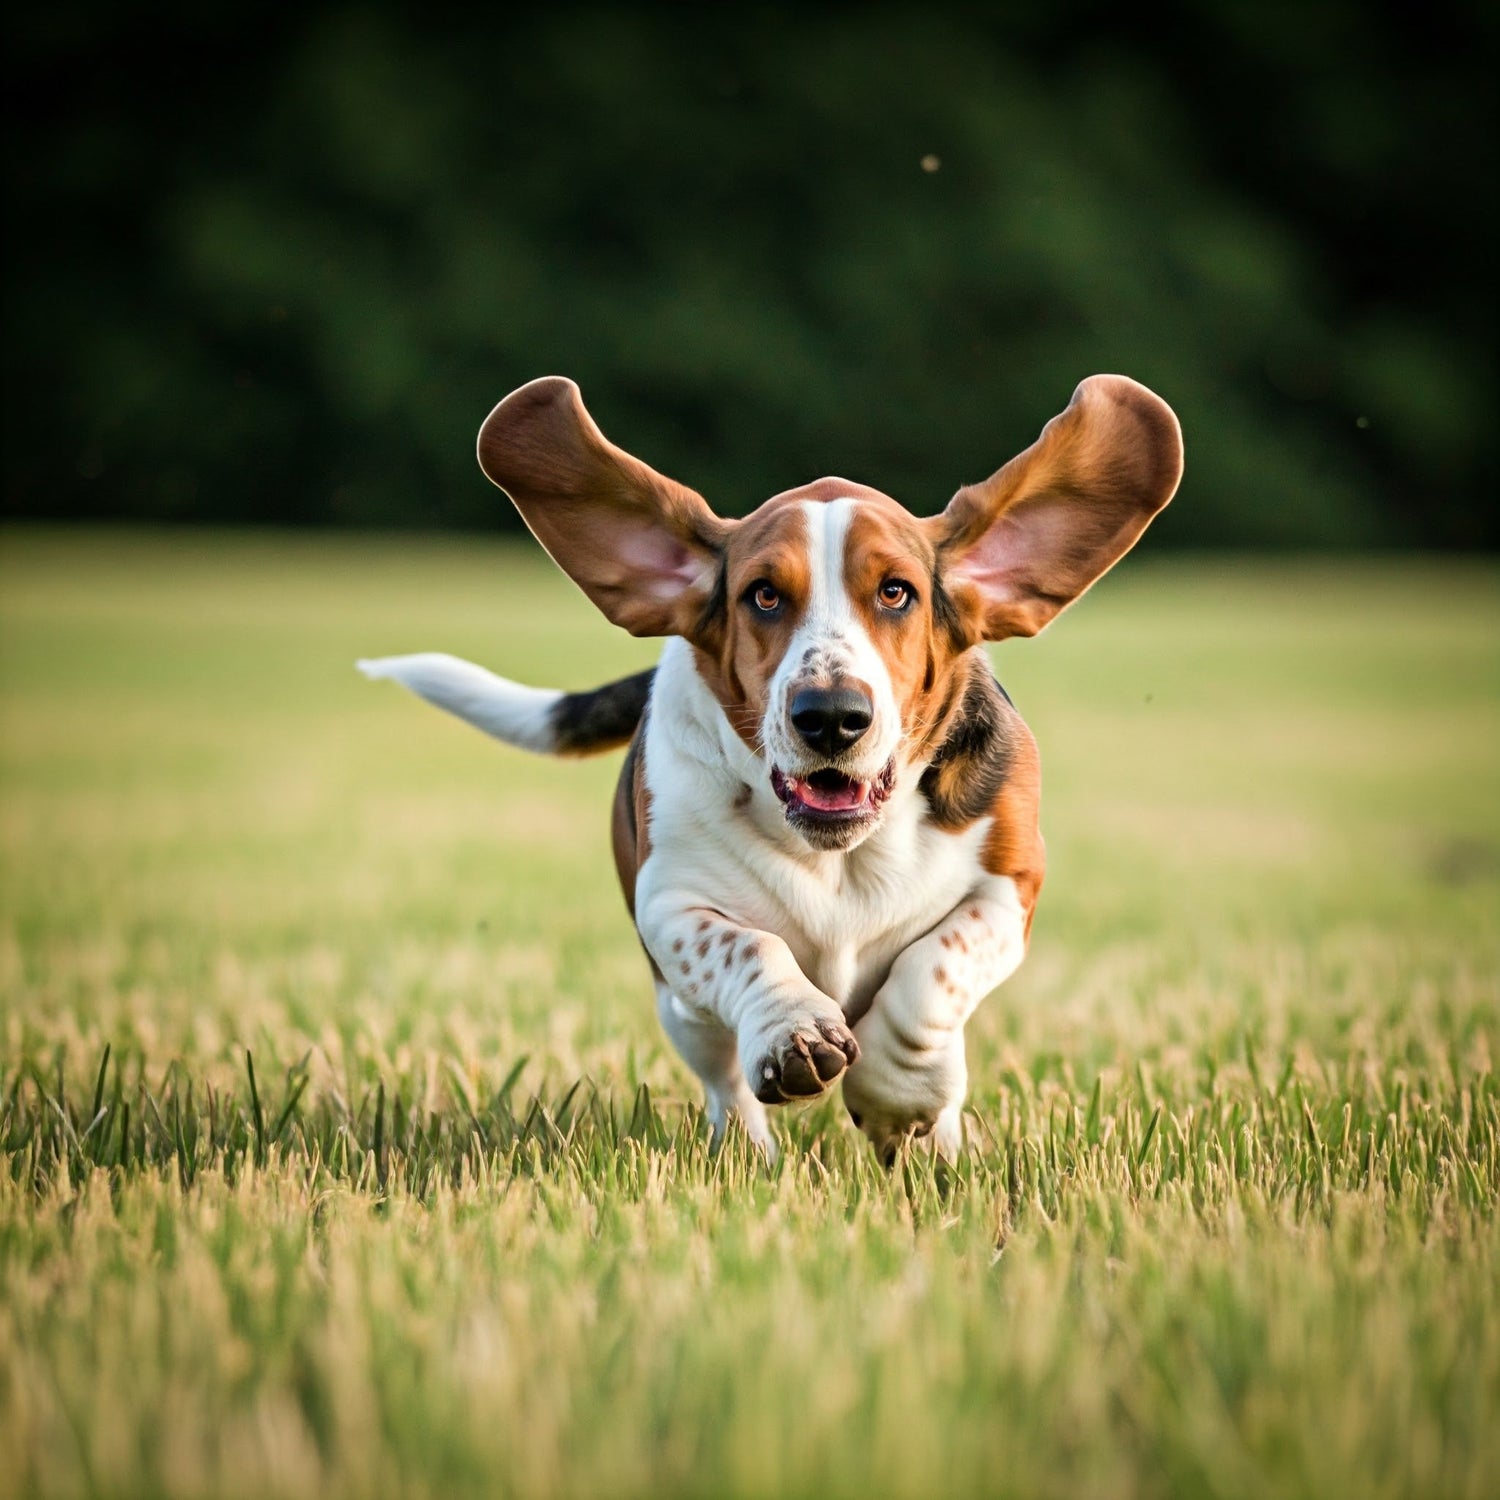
[677,946]
[703,948]
[940,974]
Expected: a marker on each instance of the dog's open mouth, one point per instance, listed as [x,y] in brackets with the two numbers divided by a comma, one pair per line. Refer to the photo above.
[829,796]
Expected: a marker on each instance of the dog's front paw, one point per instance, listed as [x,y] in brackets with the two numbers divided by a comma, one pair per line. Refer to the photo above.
[801,1061]
[888,1130]
[900,1092]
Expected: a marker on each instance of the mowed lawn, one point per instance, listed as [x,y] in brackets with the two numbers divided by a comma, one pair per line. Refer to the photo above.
[1230,1227]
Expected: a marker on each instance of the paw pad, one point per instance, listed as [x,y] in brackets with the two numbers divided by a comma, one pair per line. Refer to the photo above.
[802,1064]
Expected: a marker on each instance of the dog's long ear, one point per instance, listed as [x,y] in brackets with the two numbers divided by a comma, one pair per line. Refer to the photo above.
[644,548]
[1021,546]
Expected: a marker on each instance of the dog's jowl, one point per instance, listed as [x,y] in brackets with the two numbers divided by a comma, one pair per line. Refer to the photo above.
[826,824]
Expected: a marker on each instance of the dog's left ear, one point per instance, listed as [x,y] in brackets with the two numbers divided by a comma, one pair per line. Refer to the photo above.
[644,548]
[1022,545]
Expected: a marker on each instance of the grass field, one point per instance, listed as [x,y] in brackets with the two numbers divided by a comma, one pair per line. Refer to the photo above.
[1231,1230]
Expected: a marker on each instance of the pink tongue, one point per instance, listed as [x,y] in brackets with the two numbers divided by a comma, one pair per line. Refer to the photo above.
[831,799]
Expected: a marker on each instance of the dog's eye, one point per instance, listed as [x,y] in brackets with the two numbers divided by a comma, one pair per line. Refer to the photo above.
[895,594]
[764,597]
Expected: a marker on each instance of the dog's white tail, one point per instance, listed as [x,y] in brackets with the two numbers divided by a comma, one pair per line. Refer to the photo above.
[540,719]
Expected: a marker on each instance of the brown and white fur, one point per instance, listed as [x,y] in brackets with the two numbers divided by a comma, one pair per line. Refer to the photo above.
[826,824]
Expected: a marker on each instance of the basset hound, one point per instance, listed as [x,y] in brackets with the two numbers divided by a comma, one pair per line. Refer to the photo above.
[826,821]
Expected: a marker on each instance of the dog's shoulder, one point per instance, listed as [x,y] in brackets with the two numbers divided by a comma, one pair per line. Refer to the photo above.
[986,765]
[980,735]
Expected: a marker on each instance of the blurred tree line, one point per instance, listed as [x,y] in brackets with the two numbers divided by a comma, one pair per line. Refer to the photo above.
[274,264]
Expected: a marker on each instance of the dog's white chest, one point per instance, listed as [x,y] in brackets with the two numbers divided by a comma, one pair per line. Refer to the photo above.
[846,935]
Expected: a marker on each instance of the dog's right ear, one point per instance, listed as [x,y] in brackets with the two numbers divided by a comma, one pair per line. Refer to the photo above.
[644,548]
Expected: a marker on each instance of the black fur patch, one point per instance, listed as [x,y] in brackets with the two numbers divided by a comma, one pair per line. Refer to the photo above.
[945,613]
[971,765]
[716,607]
[603,718]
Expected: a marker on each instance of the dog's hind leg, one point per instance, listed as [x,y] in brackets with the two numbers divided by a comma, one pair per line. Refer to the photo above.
[710,1050]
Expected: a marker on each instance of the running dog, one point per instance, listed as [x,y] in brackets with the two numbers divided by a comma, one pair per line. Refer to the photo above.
[826,822]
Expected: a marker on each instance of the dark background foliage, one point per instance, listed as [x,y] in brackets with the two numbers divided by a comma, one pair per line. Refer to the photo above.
[274,264]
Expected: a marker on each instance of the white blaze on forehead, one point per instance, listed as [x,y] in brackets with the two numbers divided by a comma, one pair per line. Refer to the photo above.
[829,619]
[831,639]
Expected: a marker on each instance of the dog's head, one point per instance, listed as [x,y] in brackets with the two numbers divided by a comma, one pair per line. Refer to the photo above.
[828,623]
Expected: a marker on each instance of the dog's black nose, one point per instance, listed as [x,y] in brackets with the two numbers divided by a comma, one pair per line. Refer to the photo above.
[831,719]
